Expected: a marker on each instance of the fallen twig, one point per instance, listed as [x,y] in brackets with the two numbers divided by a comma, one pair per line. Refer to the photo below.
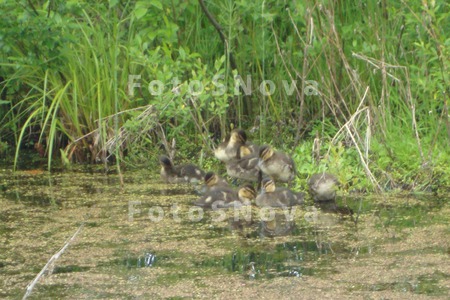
[50,263]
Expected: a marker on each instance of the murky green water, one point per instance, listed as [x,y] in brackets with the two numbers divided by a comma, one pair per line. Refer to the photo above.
[146,241]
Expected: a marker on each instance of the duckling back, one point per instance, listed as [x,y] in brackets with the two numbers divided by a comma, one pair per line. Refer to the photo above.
[277,197]
[225,197]
[277,165]
[179,174]
[191,173]
[217,198]
[280,198]
[245,166]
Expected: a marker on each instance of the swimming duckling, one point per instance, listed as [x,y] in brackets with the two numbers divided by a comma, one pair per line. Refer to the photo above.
[179,174]
[277,197]
[245,165]
[323,187]
[224,197]
[228,148]
[277,165]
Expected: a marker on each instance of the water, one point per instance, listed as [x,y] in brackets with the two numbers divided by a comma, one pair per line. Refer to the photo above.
[146,241]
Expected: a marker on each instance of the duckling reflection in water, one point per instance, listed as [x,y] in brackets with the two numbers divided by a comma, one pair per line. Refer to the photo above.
[278,165]
[179,174]
[277,197]
[278,226]
[225,197]
[323,187]
[245,165]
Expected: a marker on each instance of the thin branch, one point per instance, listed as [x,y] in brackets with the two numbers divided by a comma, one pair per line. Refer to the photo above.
[50,264]
[32,7]
[220,31]
[348,126]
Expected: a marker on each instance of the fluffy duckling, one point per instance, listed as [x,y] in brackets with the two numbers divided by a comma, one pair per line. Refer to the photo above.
[247,194]
[224,197]
[245,165]
[252,148]
[228,148]
[277,165]
[277,197]
[179,174]
[323,187]
[214,181]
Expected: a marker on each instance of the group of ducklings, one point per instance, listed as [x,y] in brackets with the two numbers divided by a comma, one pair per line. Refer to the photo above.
[249,162]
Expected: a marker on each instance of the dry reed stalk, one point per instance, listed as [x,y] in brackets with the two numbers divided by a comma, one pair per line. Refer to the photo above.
[352,132]
[120,138]
[147,121]
[381,65]
[170,149]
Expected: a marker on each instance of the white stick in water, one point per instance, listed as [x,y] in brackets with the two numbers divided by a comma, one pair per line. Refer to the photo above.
[50,264]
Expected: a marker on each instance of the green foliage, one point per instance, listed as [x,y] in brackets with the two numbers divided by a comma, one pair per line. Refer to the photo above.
[75,98]
[368,79]
[339,160]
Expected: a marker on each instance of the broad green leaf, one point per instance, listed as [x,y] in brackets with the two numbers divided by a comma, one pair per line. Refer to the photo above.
[157,4]
[139,12]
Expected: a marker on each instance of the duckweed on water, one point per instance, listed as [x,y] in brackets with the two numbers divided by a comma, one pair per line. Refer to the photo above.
[396,246]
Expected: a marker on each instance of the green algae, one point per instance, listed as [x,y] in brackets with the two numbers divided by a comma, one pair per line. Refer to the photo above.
[400,241]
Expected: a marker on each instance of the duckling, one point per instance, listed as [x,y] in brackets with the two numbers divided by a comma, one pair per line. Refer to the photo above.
[214,181]
[277,197]
[179,174]
[252,148]
[245,151]
[225,197]
[323,186]
[246,194]
[277,165]
[228,148]
[245,165]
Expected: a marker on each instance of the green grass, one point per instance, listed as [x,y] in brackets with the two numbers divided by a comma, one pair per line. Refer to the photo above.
[370,83]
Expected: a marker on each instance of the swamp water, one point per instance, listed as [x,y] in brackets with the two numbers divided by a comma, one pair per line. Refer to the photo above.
[146,241]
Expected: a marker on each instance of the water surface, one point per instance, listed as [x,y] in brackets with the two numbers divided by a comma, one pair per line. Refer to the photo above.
[146,241]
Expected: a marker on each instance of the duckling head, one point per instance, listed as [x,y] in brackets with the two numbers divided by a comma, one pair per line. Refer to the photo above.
[265,152]
[211,179]
[238,136]
[244,151]
[247,193]
[165,162]
[268,185]
[231,143]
